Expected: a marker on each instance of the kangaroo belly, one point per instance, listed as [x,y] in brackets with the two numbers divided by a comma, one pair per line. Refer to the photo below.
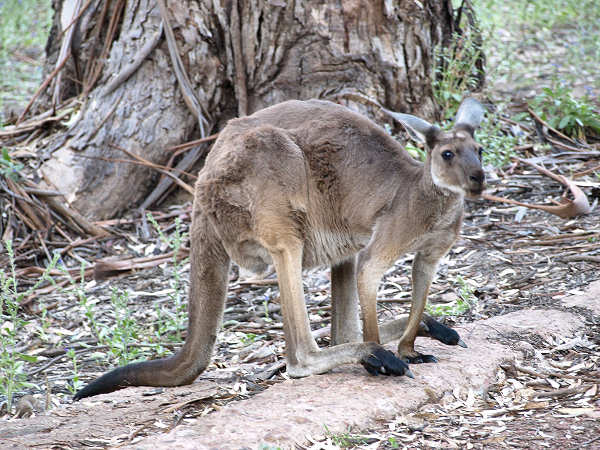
[326,247]
[321,248]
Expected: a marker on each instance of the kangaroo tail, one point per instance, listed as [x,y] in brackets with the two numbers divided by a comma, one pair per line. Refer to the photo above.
[208,287]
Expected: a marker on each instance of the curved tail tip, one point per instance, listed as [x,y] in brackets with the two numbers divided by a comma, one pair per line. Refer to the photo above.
[83,393]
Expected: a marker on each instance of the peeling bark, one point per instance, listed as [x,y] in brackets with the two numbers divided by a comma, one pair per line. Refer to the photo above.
[240,56]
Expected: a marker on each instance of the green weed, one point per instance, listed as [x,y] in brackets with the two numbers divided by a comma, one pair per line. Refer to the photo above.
[78,289]
[122,334]
[574,117]
[456,71]
[125,331]
[465,301]
[249,338]
[12,362]
[76,383]
[393,442]
[9,168]
[499,145]
[168,321]
[344,440]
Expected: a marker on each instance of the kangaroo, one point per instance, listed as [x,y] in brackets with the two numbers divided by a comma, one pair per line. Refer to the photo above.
[308,183]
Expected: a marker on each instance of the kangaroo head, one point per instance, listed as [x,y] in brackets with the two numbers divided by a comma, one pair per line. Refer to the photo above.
[453,157]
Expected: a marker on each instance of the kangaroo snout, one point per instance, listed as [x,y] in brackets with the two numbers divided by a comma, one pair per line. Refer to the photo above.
[477,182]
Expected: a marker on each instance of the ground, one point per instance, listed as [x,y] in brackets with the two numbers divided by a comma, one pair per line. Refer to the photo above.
[520,285]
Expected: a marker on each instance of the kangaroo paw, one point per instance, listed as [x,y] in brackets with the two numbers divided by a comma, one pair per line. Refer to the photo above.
[382,361]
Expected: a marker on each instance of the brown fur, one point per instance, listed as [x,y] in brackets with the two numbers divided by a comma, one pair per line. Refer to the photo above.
[302,184]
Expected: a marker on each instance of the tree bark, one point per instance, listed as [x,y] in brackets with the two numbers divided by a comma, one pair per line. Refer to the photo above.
[239,56]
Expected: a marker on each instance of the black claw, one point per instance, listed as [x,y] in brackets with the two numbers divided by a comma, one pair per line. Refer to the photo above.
[384,362]
[442,333]
[419,359]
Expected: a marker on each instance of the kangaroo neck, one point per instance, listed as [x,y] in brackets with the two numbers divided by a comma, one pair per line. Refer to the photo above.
[436,197]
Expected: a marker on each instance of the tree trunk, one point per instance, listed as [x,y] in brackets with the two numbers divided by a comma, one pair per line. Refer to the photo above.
[239,56]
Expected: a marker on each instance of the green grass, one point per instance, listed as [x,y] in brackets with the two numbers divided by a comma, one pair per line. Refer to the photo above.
[565,33]
[13,374]
[545,50]
[117,334]
[456,71]
[172,320]
[24,28]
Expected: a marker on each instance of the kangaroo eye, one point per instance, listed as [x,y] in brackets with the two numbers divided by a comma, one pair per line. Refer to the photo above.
[447,155]
[480,152]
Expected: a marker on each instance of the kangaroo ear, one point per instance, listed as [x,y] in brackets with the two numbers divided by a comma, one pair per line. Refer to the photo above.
[469,114]
[418,129]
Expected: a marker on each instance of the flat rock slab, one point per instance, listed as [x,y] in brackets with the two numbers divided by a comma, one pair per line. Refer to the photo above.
[590,299]
[290,411]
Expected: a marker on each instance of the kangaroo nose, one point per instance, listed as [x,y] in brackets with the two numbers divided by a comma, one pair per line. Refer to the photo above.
[478,177]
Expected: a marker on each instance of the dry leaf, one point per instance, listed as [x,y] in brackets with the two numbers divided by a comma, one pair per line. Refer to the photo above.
[575,412]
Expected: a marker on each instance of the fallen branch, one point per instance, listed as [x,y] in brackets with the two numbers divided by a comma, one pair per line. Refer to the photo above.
[554,130]
[151,165]
[586,172]
[566,209]
[193,143]
[31,125]
[563,392]
[77,218]
[104,268]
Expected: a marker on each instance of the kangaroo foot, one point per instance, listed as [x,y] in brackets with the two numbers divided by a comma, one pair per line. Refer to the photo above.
[442,333]
[382,361]
[419,358]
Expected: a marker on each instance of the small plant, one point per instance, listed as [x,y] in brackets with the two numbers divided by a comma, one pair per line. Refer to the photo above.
[9,168]
[249,338]
[456,71]
[76,383]
[393,442]
[125,330]
[344,440]
[574,117]
[45,322]
[168,321]
[499,146]
[12,362]
[78,289]
[465,301]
